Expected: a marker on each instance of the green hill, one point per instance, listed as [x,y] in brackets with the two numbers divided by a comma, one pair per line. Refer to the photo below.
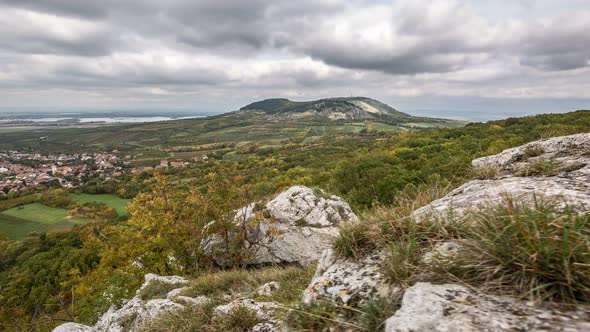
[352,108]
[273,122]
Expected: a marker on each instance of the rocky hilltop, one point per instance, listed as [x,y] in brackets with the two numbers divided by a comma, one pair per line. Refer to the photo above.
[555,169]
[351,108]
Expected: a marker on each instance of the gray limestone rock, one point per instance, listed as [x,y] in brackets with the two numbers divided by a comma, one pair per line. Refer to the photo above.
[73,327]
[568,185]
[346,281]
[454,308]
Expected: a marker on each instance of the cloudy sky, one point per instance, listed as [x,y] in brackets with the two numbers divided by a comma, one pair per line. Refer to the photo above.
[471,58]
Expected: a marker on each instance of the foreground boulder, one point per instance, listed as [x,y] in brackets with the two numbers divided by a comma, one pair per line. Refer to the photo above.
[294,227]
[556,169]
[448,308]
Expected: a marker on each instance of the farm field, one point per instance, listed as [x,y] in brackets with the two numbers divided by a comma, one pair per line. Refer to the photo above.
[118,203]
[18,222]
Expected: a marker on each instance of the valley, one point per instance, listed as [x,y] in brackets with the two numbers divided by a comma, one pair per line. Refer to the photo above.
[247,127]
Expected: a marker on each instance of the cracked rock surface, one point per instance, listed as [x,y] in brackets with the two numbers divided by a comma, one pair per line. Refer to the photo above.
[450,308]
[568,183]
[297,225]
[346,281]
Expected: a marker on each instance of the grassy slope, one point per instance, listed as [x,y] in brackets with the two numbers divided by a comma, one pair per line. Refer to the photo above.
[42,214]
[118,203]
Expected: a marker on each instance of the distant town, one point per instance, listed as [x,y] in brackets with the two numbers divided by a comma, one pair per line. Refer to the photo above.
[20,170]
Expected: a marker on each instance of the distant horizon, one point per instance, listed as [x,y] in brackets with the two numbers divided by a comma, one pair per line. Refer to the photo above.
[471,109]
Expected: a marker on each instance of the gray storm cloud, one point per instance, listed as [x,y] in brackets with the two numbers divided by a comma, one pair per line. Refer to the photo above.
[279,47]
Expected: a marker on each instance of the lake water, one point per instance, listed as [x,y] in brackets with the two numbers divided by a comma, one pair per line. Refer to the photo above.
[141,119]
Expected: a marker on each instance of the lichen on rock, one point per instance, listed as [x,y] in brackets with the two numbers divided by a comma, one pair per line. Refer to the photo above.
[447,308]
[566,185]
[346,282]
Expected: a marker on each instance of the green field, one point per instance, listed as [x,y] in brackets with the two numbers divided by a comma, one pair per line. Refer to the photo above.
[18,222]
[118,203]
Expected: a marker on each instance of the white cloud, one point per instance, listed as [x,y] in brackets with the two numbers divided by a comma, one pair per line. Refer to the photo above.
[179,51]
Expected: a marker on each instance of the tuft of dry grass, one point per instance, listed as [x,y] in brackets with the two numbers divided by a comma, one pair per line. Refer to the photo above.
[156,289]
[326,316]
[292,279]
[188,319]
[485,173]
[541,252]
[540,168]
[357,239]
[240,319]
[533,150]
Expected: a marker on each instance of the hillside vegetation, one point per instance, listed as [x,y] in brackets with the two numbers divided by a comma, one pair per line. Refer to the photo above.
[263,124]
[57,276]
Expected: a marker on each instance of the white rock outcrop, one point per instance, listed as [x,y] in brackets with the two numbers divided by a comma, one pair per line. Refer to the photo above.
[568,183]
[346,281]
[294,227]
[301,205]
[136,311]
[561,148]
[451,308]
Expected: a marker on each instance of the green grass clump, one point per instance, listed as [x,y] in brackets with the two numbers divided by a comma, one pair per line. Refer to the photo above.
[240,319]
[188,319]
[485,173]
[532,151]
[320,316]
[354,240]
[381,223]
[292,280]
[326,316]
[540,168]
[157,290]
[540,252]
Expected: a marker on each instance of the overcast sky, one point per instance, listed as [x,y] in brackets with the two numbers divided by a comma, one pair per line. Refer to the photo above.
[473,58]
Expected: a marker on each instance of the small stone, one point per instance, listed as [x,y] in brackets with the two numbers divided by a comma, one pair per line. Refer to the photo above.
[269,288]
[175,293]
[73,327]
[193,301]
